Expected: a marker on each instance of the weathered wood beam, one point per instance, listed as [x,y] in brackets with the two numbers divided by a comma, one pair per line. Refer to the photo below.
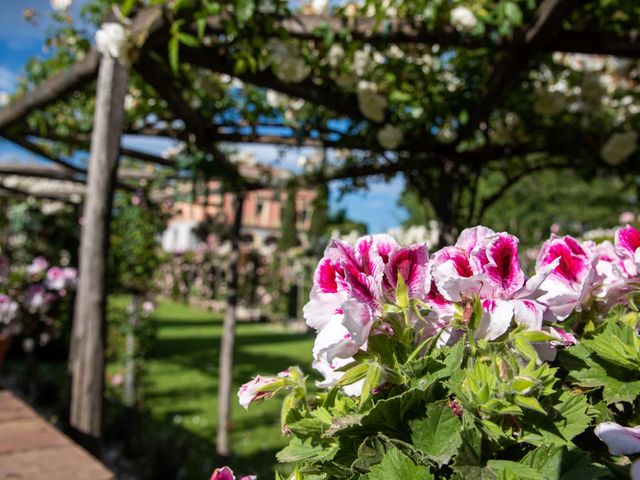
[325,95]
[12,191]
[38,150]
[408,31]
[227,342]
[88,333]
[82,140]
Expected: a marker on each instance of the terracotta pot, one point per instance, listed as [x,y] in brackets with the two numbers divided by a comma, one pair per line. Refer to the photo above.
[5,344]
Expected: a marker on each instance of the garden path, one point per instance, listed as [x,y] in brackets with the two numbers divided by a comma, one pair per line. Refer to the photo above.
[30,447]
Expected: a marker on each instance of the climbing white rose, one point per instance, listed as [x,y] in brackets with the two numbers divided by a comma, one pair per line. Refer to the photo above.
[550,103]
[319,7]
[292,70]
[61,5]
[619,147]
[286,62]
[371,104]
[389,137]
[446,134]
[463,19]
[112,39]
[335,55]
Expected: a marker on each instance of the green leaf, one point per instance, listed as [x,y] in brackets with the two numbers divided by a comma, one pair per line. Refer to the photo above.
[470,450]
[528,402]
[297,450]
[370,452]
[614,350]
[201,25]
[437,435]
[244,10]
[570,417]
[513,13]
[174,48]
[558,462]
[355,373]
[396,465]
[372,380]
[188,40]
[507,470]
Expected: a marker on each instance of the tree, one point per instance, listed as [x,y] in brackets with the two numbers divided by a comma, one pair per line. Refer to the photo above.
[289,231]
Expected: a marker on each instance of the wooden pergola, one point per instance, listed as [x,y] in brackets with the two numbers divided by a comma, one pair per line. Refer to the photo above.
[150,29]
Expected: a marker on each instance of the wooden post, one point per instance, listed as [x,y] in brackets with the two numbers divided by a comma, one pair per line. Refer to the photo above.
[88,335]
[225,369]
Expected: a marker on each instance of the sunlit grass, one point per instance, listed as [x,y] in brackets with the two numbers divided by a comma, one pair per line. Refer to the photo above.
[181,383]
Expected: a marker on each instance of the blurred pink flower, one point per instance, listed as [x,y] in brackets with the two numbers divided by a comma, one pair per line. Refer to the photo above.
[626,217]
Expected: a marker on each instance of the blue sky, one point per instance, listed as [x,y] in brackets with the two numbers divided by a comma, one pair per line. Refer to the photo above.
[19,40]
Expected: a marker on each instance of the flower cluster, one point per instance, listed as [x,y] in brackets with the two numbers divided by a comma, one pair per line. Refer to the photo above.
[32,295]
[353,287]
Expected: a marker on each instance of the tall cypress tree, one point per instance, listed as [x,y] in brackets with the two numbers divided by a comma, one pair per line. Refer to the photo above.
[289,234]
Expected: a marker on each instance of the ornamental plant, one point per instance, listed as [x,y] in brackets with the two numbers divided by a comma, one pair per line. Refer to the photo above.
[31,299]
[458,365]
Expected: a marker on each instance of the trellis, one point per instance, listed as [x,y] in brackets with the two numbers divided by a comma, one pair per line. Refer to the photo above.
[150,29]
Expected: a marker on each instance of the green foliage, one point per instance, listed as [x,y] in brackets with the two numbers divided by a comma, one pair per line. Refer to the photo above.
[289,232]
[135,251]
[478,409]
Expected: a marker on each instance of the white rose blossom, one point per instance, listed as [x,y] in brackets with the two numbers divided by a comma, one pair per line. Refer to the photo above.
[619,147]
[112,39]
[550,103]
[61,5]
[463,19]
[371,104]
[389,137]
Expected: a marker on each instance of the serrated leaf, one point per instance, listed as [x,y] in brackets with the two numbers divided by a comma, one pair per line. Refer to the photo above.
[437,435]
[507,470]
[528,402]
[297,450]
[558,462]
[396,464]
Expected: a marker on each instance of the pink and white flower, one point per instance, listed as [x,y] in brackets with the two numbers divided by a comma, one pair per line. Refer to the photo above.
[37,299]
[628,247]
[8,310]
[261,388]
[37,267]
[225,473]
[621,441]
[486,264]
[569,286]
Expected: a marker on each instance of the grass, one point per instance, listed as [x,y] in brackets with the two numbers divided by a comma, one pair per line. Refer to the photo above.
[181,385]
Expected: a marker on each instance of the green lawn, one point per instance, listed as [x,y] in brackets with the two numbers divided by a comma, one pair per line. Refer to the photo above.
[181,385]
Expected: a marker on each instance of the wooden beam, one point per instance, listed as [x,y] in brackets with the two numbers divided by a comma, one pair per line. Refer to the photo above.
[227,342]
[319,94]
[88,334]
[38,150]
[408,31]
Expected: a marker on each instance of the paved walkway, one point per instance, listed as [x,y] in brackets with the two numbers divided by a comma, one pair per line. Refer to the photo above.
[32,448]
